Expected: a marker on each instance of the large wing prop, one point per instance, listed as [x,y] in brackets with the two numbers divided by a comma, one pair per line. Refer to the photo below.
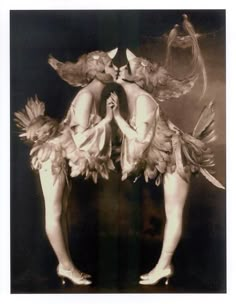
[166,87]
[175,40]
[159,80]
[182,42]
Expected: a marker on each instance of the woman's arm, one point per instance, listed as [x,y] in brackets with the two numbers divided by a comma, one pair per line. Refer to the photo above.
[83,132]
[145,112]
[82,109]
[124,126]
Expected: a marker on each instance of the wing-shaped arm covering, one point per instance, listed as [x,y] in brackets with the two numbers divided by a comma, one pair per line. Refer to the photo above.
[73,73]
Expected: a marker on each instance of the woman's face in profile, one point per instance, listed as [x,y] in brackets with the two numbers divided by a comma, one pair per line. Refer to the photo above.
[111,69]
[126,71]
[123,73]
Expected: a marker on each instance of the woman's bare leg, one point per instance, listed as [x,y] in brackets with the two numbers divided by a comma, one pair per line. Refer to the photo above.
[53,191]
[64,220]
[175,194]
[56,204]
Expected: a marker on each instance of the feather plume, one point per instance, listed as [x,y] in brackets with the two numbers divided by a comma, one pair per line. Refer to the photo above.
[32,110]
[204,129]
[211,178]
[198,61]
[170,40]
[34,125]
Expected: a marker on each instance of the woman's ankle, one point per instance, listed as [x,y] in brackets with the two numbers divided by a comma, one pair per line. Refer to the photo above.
[162,265]
[66,265]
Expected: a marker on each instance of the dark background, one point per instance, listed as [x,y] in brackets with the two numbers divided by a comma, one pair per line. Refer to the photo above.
[116,227]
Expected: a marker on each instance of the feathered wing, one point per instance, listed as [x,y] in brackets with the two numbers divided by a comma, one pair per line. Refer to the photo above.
[198,61]
[33,109]
[170,40]
[205,126]
[73,73]
[40,130]
[173,87]
[203,134]
[166,87]
[185,41]
[34,124]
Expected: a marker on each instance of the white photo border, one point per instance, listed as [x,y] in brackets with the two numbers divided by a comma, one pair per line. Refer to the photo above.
[5,296]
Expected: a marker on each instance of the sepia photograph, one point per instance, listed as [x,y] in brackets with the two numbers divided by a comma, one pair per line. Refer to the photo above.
[118,151]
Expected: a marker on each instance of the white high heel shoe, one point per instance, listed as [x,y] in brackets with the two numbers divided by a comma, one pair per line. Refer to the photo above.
[74,275]
[155,275]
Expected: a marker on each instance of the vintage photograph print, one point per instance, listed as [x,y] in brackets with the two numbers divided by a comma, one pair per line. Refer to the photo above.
[118,166]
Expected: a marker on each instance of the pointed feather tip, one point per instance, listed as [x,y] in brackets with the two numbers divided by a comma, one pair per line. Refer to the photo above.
[23,135]
[211,103]
[36,98]
[211,178]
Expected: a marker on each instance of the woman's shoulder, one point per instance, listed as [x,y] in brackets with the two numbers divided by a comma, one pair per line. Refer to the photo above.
[146,101]
[83,96]
[85,92]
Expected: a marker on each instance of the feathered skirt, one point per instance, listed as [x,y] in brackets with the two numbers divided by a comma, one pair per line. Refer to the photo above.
[168,149]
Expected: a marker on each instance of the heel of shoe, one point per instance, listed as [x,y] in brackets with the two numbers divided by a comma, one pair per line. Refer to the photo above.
[167,280]
[63,281]
[67,276]
[169,276]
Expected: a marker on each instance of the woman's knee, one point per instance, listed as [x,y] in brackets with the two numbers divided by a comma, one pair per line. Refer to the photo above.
[174,213]
[53,215]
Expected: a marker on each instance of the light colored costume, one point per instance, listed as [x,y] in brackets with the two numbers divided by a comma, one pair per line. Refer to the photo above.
[93,146]
[88,152]
[166,148]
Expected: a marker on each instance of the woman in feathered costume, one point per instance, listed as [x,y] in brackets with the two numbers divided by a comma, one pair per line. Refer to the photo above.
[156,148]
[84,138]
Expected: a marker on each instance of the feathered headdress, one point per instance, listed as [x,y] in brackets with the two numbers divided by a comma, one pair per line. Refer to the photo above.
[156,80]
[87,67]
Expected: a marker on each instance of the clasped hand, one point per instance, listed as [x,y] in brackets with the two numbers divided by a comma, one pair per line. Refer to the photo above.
[112,106]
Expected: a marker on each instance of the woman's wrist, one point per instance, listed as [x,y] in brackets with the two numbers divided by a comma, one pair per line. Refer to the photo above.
[124,127]
[117,115]
[106,120]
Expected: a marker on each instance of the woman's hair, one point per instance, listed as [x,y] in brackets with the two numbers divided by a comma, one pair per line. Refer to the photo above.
[87,67]
[156,80]
[145,74]
[96,63]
